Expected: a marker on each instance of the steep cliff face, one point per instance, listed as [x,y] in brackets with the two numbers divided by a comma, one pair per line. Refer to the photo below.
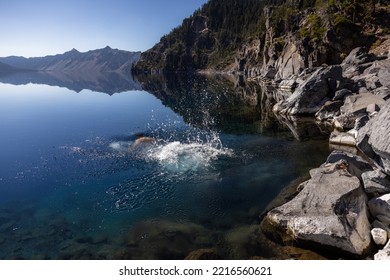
[274,39]
[307,38]
[218,36]
[185,48]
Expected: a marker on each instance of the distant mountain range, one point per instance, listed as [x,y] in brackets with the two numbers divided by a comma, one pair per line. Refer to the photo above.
[5,68]
[104,70]
[95,61]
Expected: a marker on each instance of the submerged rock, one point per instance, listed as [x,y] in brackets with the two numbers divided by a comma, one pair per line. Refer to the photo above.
[162,239]
[331,210]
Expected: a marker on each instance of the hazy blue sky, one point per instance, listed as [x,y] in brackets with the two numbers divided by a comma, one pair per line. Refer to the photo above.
[42,27]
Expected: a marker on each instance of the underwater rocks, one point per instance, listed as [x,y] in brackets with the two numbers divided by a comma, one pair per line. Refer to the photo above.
[159,239]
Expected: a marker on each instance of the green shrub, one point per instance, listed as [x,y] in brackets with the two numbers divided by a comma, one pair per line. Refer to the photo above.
[314,29]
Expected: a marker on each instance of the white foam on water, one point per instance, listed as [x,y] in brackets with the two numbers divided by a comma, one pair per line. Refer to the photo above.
[181,157]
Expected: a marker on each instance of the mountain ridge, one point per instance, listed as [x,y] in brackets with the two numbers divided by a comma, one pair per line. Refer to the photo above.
[99,60]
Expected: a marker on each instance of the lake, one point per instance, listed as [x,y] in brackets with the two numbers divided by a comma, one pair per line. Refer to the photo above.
[76,181]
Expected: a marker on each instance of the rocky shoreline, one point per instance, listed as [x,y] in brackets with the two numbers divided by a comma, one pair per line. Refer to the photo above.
[345,206]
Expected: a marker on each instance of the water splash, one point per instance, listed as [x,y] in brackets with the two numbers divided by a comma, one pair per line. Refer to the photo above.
[182,157]
[187,148]
[177,158]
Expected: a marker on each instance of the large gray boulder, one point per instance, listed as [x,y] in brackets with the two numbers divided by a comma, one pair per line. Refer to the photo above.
[330,210]
[380,71]
[380,208]
[312,94]
[358,56]
[357,106]
[356,165]
[357,61]
[376,182]
[373,138]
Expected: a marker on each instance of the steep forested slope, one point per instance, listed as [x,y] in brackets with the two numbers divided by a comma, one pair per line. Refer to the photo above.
[248,35]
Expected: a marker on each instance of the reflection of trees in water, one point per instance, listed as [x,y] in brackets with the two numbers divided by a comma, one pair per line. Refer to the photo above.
[227,103]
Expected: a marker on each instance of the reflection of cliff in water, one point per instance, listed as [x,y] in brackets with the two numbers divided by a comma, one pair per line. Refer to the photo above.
[105,82]
[228,103]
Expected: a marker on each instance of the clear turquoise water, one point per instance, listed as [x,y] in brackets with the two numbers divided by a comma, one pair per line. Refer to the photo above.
[72,185]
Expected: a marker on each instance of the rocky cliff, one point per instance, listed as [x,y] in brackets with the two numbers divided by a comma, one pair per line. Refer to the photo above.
[273,39]
[345,204]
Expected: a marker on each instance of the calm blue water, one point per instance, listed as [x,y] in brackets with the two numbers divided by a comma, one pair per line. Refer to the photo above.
[73,184]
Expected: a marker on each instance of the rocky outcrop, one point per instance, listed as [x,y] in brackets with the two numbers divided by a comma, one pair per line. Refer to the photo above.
[246,59]
[376,182]
[290,63]
[357,106]
[373,138]
[313,93]
[331,210]
[380,208]
[329,110]
[342,138]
